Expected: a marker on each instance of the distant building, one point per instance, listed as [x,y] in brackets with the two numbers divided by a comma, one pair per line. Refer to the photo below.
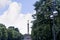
[27,37]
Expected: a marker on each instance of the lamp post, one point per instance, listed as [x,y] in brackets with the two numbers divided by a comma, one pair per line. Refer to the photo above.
[55,13]
[53,26]
[52,16]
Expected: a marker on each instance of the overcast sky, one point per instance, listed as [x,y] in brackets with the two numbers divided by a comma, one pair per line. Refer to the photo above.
[16,13]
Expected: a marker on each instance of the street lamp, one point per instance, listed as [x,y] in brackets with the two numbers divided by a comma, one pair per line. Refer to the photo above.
[51,16]
[54,13]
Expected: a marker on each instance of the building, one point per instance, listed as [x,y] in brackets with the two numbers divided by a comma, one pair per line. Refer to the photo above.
[27,37]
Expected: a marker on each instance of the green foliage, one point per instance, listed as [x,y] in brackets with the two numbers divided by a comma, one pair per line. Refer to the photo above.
[41,29]
[13,34]
[3,32]
[9,34]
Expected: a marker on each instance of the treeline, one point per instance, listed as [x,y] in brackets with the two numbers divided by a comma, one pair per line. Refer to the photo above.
[9,33]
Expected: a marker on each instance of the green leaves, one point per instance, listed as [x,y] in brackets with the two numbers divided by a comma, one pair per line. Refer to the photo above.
[9,34]
[41,29]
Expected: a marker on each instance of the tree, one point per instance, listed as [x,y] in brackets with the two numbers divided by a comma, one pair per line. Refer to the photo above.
[3,32]
[14,34]
[9,34]
[41,29]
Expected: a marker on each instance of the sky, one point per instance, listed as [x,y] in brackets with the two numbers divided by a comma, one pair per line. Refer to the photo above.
[16,13]
[27,5]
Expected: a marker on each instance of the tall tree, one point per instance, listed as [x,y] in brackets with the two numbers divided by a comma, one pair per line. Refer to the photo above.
[41,29]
